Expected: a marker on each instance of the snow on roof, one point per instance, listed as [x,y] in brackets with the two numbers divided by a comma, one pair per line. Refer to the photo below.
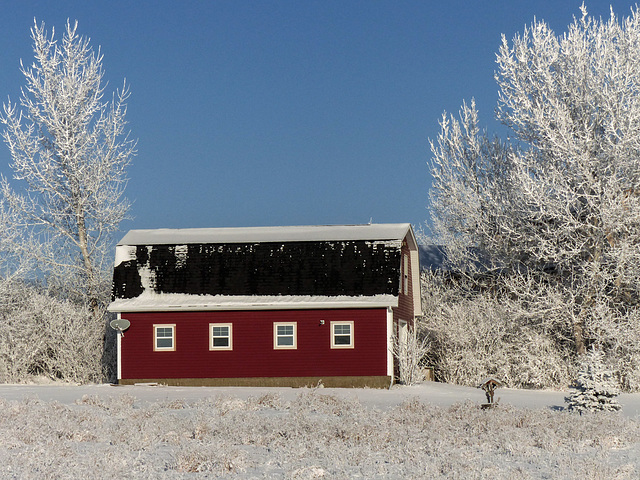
[151,301]
[318,233]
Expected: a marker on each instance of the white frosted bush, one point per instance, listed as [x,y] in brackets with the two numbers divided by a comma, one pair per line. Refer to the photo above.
[473,335]
[410,354]
[44,336]
[620,342]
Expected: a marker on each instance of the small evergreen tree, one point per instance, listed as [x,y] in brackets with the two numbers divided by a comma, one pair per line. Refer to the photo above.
[596,389]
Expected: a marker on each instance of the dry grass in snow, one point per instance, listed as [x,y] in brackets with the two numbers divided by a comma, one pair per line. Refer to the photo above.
[317,435]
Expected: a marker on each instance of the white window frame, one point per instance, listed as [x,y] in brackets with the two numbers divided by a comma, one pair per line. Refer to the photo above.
[403,336]
[212,337]
[276,336]
[172,348]
[333,335]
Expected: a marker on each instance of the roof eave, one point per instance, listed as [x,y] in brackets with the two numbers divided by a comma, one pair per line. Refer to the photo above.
[240,303]
[310,233]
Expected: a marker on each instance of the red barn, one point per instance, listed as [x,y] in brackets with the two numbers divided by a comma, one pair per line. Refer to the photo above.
[276,306]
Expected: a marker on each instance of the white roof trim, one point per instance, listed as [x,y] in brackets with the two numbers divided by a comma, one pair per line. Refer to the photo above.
[166,236]
[165,302]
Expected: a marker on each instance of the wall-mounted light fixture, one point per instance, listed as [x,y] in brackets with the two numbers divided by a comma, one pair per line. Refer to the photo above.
[321,322]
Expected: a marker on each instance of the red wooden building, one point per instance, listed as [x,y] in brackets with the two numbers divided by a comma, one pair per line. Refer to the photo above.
[281,306]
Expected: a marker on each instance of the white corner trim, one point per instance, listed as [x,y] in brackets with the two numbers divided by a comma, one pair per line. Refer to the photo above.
[415,280]
[119,353]
[389,342]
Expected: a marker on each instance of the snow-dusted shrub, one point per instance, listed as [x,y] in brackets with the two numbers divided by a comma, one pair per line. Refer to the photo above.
[44,336]
[595,389]
[213,458]
[525,340]
[268,400]
[619,339]
[474,334]
[317,435]
[409,352]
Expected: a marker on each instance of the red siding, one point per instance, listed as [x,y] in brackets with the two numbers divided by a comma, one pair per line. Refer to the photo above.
[404,310]
[253,354]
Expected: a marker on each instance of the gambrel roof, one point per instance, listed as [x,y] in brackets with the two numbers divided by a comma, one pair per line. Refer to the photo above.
[260,267]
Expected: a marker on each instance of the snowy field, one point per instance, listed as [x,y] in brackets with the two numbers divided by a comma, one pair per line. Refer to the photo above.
[426,431]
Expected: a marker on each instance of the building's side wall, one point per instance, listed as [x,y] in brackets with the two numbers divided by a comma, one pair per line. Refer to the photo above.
[405,309]
[253,354]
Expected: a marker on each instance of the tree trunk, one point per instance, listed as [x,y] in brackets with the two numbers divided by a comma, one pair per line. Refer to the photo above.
[578,336]
[83,242]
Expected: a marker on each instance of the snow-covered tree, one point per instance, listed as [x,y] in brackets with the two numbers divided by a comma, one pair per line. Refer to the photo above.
[69,150]
[596,389]
[553,211]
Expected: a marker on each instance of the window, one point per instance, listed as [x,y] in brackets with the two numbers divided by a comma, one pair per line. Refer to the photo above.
[285,335]
[403,332]
[164,338]
[405,274]
[341,334]
[220,336]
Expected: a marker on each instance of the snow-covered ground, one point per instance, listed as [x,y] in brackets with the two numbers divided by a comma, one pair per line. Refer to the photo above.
[426,431]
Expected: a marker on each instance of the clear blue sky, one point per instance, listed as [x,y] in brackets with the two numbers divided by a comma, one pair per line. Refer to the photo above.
[251,113]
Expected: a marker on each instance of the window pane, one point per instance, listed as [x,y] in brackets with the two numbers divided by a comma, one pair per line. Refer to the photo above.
[342,329]
[342,340]
[164,342]
[285,329]
[221,342]
[220,331]
[164,332]
[285,341]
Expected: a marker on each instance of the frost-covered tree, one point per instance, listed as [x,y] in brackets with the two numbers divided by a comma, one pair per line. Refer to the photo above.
[69,150]
[14,249]
[553,210]
[596,389]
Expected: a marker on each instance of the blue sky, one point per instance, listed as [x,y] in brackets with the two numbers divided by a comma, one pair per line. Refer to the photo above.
[252,113]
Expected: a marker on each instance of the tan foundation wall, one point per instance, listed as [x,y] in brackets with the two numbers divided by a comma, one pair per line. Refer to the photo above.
[295,382]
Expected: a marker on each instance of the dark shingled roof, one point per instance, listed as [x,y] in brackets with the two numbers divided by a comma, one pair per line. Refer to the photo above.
[352,267]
